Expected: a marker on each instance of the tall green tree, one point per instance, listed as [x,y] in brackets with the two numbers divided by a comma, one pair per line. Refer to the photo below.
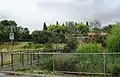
[57,23]
[87,23]
[44,26]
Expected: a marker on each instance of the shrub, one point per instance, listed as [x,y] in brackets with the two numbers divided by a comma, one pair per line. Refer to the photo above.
[90,47]
[47,63]
[64,63]
[113,40]
[115,70]
[72,43]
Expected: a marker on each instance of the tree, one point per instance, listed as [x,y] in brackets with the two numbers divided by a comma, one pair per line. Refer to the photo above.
[12,23]
[76,23]
[96,30]
[87,23]
[95,27]
[82,29]
[5,26]
[63,24]
[5,23]
[20,33]
[72,44]
[57,23]
[44,26]
[95,24]
[113,45]
[70,28]
[108,28]
[113,40]
[56,28]
[42,36]
[8,23]
[1,32]
[26,35]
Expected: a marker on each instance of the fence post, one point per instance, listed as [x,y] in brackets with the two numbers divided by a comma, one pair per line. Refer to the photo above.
[27,56]
[2,59]
[33,56]
[53,65]
[31,59]
[104,64]
[12,62]
[22,59]
[38,58]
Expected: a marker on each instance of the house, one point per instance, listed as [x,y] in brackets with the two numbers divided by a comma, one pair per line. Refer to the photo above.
[93,36]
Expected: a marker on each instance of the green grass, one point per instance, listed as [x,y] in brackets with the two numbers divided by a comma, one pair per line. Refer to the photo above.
[16,46]
[7,46]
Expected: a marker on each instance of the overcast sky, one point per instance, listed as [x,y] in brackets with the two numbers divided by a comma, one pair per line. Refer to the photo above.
[32,13]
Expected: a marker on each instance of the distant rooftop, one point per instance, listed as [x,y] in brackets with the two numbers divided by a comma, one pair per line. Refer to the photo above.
[92,33]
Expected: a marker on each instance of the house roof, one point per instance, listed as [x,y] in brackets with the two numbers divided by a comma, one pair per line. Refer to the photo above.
[91,33]
[104,34]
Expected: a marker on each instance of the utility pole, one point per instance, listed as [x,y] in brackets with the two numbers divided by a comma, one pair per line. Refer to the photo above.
[11,35]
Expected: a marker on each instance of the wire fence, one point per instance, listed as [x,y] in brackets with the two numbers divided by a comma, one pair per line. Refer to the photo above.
[5,57]
[67,62]
[90,63]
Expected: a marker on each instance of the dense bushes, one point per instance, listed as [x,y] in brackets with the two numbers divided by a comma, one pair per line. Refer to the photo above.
[47,37]
[46,63]
[115,70]
[113,41]
[90,47]
[72,44]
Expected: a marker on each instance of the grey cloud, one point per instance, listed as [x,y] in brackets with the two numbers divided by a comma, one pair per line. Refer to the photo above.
[50,11]
[110,16]
[5,14]
[56,5]
[114,14]
[71,10]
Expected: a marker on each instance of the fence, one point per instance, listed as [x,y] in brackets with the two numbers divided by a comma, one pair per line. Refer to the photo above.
[5,57]
[100,63]
[90,63]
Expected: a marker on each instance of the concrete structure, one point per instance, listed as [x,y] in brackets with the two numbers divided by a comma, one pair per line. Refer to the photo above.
[82,39]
